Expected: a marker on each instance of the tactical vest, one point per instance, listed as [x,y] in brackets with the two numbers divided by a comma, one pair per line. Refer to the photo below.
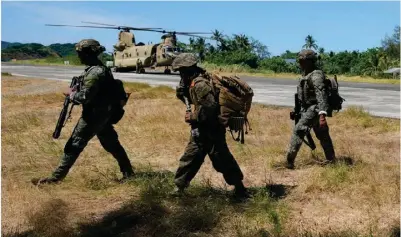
[194,99]
[103,97]
[192,94]
[306,91]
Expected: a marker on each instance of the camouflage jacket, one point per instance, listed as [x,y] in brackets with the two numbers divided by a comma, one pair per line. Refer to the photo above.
[206,109]
[94,92]
[312,91]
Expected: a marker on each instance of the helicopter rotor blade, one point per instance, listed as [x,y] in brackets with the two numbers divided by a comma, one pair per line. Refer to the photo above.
[127,27]
[107,27]
[193,35]
[198,36]
[185,33]
[104,27]
[140,29]
[95,23]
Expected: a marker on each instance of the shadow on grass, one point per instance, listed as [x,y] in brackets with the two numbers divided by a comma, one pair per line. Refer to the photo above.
[340,160]
[159,213]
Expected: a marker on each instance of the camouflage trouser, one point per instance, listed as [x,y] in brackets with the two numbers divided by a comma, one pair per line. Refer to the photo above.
[310,118]
[85,130]
[216,147]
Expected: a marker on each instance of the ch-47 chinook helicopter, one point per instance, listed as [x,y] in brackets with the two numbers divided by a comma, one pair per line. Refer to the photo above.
[129,55]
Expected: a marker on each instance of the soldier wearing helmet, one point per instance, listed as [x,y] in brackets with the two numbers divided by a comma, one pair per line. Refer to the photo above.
[96,99]
[196,86]
[313,95]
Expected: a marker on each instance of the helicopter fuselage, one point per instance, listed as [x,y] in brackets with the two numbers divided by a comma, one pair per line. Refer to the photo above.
[152,55]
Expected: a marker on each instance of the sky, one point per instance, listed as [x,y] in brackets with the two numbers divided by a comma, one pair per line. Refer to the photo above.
[281,26]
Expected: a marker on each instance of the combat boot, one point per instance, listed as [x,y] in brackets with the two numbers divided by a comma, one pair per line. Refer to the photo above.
[290,162]
[178,192]
[127,175]
[290,165]
[240,192]
[48,180]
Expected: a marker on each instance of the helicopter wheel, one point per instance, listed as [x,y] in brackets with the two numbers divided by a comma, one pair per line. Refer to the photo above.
[167,71]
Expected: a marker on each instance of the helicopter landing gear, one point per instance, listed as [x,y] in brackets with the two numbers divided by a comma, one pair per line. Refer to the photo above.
[140,70]
[167,71]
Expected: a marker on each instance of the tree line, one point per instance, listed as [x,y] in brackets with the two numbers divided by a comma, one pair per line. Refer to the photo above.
[250,53]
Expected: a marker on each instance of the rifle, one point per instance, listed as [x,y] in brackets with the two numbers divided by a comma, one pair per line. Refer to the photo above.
[194,130]
[76,81]
[296,115]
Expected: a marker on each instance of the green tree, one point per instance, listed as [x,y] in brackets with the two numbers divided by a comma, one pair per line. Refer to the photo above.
[310,43]
[391,45]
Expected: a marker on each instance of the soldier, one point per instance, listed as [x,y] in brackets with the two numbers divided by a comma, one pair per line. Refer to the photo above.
[95,97]
[210,138]
[138,68]
[314,105]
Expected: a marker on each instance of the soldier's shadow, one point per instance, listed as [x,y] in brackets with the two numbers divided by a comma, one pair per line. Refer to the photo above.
[158,213]
[345,160]
[276,191]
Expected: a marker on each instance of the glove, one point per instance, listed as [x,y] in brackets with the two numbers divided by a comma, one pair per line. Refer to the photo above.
[322,121]
[189,117]
[68,91]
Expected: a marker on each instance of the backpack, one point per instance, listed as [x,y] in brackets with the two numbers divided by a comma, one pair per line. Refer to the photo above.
[119,100]
[235,100]
[334,99]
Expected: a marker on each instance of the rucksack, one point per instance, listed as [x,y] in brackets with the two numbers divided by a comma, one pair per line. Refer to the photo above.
[119,99]
[334,99]
[235,100]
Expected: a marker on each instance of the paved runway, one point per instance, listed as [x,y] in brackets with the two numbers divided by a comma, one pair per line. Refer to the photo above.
[379,99]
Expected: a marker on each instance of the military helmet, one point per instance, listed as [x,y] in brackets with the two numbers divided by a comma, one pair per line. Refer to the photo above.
[184,60]
[89,45]
[308,54]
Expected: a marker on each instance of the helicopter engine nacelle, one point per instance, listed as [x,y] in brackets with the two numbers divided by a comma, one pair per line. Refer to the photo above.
[120,46]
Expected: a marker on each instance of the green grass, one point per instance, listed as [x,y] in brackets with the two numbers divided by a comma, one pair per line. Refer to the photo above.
[245,71]
[6,74]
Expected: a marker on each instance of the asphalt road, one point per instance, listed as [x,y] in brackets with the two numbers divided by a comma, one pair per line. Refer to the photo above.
[379,99]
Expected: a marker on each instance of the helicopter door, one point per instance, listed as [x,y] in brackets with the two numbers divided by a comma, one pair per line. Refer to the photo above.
[164,52]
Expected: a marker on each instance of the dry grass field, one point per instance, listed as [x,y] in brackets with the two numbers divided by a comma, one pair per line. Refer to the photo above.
[358,196]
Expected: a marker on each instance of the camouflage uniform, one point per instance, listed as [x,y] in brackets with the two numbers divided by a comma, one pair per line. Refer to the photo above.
[314,100]
[94,97]
[211,140]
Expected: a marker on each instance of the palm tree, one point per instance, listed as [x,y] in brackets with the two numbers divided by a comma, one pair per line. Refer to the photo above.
[373,61]
[241,41]
[218,36]
[310,42]
[200,46]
